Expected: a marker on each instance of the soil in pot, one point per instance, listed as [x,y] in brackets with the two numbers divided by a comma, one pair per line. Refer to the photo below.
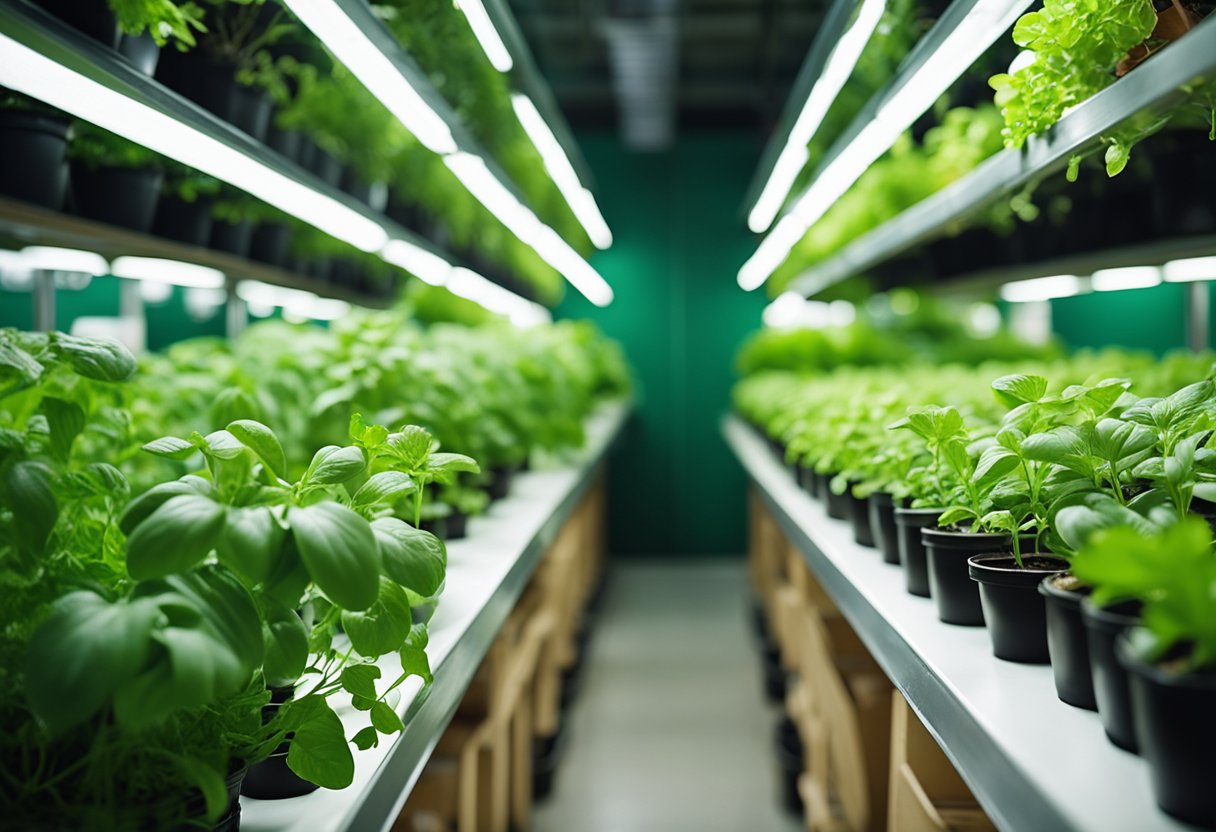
[859,517]
[185,222]
[1112,686]
[957,596]
[1012,606]
[1067,642]
[881,508]
[33,157]
[909,522]
[1176,727]
[125,197]
[231,237]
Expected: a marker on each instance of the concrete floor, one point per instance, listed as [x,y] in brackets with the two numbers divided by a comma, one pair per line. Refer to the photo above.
[671,732]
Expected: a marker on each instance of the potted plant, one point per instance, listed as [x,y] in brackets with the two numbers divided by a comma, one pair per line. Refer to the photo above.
[114,181]
[186,201]
[33,150]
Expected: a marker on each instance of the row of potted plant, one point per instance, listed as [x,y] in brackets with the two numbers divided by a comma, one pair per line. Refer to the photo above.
[988,500]
[198,580]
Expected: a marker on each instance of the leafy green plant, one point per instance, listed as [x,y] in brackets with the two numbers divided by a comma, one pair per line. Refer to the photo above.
[165,20]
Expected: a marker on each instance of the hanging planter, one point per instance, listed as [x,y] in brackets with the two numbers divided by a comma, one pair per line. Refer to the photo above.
[1067,642]
[1014,610]
[33,154]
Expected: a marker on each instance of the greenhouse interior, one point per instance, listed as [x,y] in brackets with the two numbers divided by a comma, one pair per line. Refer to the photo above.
[607,416]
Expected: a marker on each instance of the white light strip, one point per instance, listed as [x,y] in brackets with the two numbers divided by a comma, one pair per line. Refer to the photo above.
[836,71]
[295,303]
[422,264]
[1128,277]
[53,259]
[1042,288]
[173,272]
[472,286]
[486,188]
[486,34]
[1191,269]
[353,48]
[27,71]
[580,200]
[957,52]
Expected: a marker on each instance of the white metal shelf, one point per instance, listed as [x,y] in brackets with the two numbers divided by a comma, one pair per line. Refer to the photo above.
[486,574]
[1033,762]
[1153,86]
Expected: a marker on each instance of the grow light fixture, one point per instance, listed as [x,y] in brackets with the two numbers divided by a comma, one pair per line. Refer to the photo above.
[472,286]
[169,272]
[54,259]
[490,191]
[580,200]
[1128,277]
[1042,288]
[836,71]
[36,75]
[1189,270]
[979,27]
[422,264]
[295,303]
[486,34]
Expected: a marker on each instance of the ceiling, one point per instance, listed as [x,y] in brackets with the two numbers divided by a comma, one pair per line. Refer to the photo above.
[653,67]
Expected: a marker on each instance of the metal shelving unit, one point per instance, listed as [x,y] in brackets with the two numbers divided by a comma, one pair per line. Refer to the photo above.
[1033,762]
[486,574]
[1152,87]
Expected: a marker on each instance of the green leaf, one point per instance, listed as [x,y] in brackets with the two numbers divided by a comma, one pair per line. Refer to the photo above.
[1013,390]
[385,719]
[332,465]
[453,463]
[29,495]
[318,751]
[208,781]
[85,649]
[412,445]
[360,680]
[340,551]
[381,628]
[413,558]
[170,447]
[223,445]
[262,441]
[414,661]
[384,487]
[142,506]
[65,420]
[102,359]
[250,541]
[366,738]
[286,644]
[175,537]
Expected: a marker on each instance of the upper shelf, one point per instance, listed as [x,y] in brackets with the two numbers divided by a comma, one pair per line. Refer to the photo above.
[1153,86]
[1033,762]
[486,574]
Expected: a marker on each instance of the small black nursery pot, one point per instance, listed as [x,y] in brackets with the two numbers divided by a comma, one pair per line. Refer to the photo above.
[33,157]
[1112,686]
[859,516]
[839,506]
[185,222]
[881,508]
[125,197]
[909,523]
[1013,608]
[1067,641]
[1176,727]
[957,597]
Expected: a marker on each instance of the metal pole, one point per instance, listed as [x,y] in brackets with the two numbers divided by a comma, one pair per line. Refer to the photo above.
[1198,314]
[44,300]
[235,313]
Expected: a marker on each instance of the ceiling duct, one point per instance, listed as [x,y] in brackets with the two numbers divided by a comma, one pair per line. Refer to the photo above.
[643,47]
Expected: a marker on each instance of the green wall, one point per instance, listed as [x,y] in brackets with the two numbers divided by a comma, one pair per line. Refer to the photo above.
[679,241]
[1149,319]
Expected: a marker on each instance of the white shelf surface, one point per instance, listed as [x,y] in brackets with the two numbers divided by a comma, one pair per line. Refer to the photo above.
[485,575]
[1033,762]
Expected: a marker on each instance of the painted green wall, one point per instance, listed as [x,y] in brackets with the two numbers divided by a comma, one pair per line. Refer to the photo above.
[675,488]
[1149,319]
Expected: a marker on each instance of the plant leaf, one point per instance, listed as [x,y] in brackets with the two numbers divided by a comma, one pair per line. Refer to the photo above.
[340,551]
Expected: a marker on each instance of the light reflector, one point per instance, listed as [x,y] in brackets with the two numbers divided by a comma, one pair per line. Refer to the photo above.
[1191,269]
[1042,288]
[54,259]
[1128,277]
[173,272]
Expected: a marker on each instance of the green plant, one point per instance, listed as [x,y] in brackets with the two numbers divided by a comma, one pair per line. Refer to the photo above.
[164,20]
[97,148]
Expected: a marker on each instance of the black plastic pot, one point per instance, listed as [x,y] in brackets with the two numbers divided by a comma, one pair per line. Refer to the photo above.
[839,506]
[957,596]
[272,779]
[185,222]
[33,157]
[819,485]
[881,508]
[790,764]
[437,526]
[141,51]
[1176,727]
[213,86]
[1112,685]
[908,525]
[270,243]
[1013,608]
[125,197]
[231,237]
[285,142]
[230,821]
[457,526]
[806,480]
[500,482]
[1068,644]
[859,516]
[327,168]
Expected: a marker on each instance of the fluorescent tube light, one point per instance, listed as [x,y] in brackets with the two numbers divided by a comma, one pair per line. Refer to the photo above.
[1042,288]
[962,47]
[372,67]
[557,163]
[1128,277]
[174,272]
[54,259]
[836,71]
[1191,269]
[27,71]
[487,189]
[422,264]
[472,286]
[295,303]
[486,34]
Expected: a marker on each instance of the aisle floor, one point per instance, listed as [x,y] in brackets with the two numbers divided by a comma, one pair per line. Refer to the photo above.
[671,732]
